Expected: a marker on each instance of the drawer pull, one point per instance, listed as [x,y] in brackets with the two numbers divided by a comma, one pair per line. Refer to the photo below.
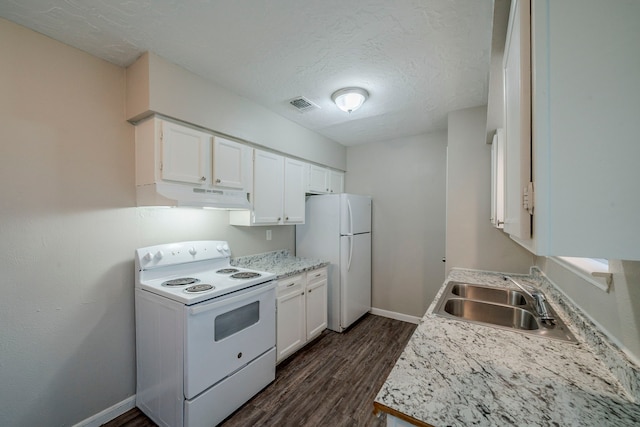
[291,284]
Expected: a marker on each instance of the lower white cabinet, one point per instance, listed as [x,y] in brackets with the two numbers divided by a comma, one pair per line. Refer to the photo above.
[290,324]
[301,311]
[316,302]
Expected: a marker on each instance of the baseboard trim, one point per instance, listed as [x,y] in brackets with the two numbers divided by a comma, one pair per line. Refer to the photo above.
[394,315]
[108,414]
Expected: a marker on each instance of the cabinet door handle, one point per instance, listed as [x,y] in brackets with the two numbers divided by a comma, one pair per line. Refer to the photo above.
[203,179]
[279,218]
[310,290]
[218,181]
[286,218]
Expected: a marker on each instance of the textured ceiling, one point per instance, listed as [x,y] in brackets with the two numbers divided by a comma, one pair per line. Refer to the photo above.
[418,59]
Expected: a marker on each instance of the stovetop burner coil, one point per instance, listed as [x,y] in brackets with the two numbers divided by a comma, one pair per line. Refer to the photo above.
[182,281]
[198,288]
[245,275]
[227,271]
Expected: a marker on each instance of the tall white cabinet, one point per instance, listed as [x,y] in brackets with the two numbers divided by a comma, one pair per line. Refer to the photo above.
[585,92]
[517,121]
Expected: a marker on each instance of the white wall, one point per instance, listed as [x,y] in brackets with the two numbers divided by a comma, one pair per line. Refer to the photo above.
[68,231]
[471,240]
[616,312]
[406,178]
[157,85]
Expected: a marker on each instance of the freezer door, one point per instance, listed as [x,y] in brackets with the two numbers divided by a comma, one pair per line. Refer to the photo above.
[355,214]
[355,277]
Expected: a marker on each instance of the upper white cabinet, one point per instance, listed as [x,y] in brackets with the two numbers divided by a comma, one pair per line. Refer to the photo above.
[336,182]
[231,162]
[278,192]
[585,92]
[517,121]
[323,180]
[317,182]
[497,179]
[186,154]
[268,196]
[294,189]
[179,165]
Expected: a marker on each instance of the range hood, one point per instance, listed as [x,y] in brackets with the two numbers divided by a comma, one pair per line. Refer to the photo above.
[169,194]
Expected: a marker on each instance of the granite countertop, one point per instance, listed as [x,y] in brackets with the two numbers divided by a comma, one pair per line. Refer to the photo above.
[455,373]
[281,263]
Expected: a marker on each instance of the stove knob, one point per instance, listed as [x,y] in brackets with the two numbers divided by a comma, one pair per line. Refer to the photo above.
[225,248]
[219,248]
[193,251]
[159,255]
[148,257]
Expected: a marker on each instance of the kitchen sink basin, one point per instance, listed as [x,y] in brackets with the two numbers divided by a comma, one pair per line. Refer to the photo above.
[487,294]
[501,308]
[501,315]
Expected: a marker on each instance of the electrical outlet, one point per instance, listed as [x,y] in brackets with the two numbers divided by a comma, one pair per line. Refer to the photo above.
[268,234]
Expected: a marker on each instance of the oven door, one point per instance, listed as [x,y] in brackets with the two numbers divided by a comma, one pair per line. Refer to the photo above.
[224,334]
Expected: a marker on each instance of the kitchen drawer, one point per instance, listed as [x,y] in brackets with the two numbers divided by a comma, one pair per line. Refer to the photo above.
[290,285]
[316,275]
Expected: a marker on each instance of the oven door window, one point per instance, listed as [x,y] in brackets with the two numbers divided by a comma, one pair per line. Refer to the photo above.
[236,320]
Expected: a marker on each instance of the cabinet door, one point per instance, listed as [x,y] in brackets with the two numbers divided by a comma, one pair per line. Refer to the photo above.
[316,304]
[290,328]
[294,186]
[318,180]
[268,184]
[229,164]
[336,182]
[186,154]
[586,94]
[497,179]
[517,120]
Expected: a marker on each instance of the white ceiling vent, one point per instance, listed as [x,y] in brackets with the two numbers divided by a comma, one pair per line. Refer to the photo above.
[302,104]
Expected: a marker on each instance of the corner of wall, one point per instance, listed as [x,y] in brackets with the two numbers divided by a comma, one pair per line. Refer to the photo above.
[137,89]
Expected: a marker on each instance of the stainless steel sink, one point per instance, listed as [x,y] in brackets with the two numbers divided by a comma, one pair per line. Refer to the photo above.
[499,307]
[487,294]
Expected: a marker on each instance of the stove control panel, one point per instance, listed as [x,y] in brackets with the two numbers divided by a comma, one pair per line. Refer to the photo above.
[181,252]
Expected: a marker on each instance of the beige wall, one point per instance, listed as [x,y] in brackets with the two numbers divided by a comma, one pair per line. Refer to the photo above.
[157,85]
[68,231]
[406,178]
[471,240]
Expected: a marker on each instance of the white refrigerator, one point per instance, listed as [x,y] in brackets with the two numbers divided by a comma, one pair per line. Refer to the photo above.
[337,229]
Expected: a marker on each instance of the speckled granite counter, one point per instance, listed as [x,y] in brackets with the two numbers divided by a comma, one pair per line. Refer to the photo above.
[455,373]
[281,263]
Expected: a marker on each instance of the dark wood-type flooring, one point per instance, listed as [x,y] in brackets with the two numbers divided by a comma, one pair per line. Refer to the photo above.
[330,382]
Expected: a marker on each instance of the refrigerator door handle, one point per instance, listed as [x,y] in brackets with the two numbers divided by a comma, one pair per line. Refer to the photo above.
[350,217]
[350,252]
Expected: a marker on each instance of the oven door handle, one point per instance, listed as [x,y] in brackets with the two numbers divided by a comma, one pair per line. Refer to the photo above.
[226,300]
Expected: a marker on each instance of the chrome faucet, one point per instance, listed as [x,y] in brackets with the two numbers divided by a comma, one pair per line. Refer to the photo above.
[541,302]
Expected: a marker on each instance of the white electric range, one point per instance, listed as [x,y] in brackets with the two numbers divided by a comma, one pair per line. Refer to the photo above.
[205,333]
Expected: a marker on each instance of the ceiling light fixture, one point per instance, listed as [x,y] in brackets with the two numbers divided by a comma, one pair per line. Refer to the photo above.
[350,98]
